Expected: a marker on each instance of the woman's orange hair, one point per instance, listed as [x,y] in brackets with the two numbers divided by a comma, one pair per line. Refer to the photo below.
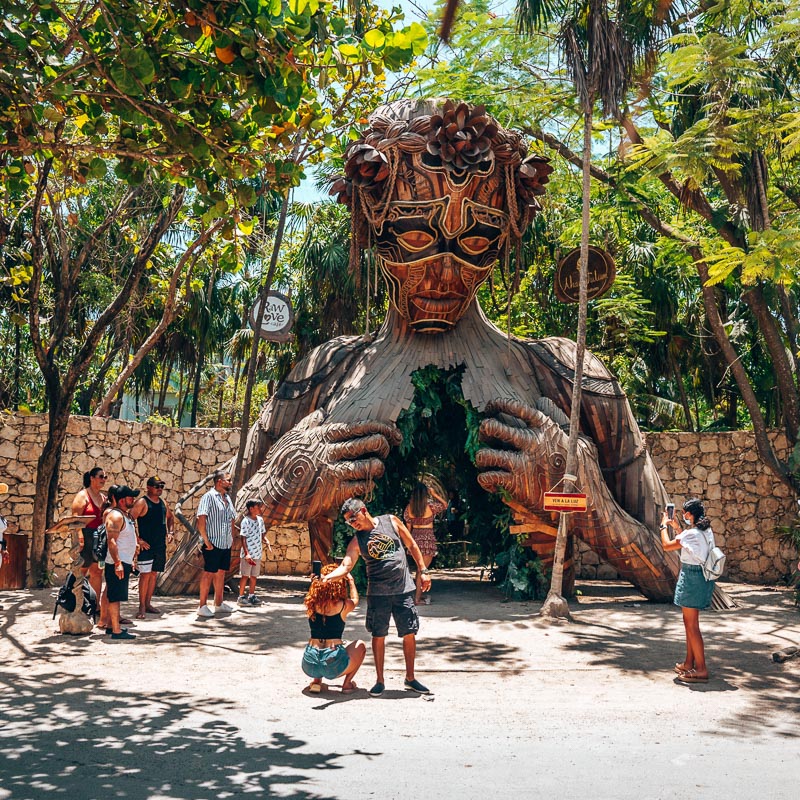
[322,593]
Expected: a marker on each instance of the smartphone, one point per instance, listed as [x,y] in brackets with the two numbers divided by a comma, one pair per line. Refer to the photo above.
[316,568]
[670,510]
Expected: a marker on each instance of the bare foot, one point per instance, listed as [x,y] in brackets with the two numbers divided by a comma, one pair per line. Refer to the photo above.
[682,666]
[151,610]
[125,621]
[349,687]
[140,615]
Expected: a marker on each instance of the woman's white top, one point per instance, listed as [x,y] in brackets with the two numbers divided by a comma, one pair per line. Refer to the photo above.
[695,545]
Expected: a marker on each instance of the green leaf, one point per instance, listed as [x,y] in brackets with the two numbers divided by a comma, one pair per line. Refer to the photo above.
[374,39]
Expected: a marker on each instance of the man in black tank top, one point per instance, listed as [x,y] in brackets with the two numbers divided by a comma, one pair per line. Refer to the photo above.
[155,523]
[382,543]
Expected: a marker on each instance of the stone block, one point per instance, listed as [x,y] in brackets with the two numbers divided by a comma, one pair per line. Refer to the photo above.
[590,558]
[701,473]
[293,552]
[605,572]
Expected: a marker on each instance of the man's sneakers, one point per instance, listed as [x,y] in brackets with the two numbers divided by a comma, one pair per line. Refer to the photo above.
[377,690]
[253,600]
[415,686]
[226,607]
[205,612]
[123,634]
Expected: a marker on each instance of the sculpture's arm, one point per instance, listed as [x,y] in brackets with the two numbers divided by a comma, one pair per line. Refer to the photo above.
[608,420]
[316,466]
[525,455]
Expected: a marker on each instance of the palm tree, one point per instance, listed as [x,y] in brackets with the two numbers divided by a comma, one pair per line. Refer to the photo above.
[601,47]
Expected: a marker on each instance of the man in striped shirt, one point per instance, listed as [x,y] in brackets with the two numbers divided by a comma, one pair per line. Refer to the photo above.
[215,516]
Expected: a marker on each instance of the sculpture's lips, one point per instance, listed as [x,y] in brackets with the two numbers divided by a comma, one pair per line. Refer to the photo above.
[438,302]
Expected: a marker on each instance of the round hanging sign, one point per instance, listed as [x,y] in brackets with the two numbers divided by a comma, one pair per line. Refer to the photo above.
[278,319]
[602,272]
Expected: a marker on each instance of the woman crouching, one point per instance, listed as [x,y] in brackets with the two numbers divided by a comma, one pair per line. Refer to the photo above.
[692,592]
[326,656]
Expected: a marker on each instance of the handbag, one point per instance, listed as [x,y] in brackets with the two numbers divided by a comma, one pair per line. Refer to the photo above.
[714,565]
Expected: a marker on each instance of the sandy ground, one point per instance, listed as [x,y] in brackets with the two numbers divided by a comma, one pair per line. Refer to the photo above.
[216,709]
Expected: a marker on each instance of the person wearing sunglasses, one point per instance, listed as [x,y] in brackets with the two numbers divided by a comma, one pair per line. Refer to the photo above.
[382,542]
[156,526]
[91,501]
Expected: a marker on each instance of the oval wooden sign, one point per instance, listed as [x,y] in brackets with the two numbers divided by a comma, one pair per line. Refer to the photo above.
[602,271]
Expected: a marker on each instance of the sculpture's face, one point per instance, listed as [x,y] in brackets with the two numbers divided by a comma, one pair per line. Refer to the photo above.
[435,253]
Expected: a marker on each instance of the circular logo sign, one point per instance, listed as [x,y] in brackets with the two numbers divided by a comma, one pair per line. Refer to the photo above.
[601,268]
[278,318]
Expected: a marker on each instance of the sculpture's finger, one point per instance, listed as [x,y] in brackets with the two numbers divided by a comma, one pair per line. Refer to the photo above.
[488,458]
[355,448]
[349,489]
[364,469]
[494,480]
[494,430]
[517,408]
[341,431]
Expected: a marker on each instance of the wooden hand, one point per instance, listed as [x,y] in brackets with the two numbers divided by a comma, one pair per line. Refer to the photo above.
[316,466]
[525,453]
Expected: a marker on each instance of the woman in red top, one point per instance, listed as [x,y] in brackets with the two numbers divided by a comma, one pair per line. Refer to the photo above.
[423,506]
[91,501]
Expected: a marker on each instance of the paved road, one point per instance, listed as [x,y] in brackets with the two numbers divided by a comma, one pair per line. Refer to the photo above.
[215,709]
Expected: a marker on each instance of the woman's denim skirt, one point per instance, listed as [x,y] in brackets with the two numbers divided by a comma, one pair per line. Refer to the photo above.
[692,589]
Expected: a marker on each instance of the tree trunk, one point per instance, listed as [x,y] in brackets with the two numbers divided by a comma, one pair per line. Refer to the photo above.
[251,366]
[673,363]
[555,606]
[47,477]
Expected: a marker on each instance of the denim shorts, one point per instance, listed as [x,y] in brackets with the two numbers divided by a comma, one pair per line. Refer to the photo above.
[692,589]
[325,662]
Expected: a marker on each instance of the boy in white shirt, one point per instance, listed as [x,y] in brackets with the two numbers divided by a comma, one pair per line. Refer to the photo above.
[253,533]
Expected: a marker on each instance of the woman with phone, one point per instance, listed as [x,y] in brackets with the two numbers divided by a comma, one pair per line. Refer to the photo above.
[692,592]
[326,656]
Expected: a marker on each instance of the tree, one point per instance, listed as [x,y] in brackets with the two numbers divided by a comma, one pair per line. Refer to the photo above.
[202,96]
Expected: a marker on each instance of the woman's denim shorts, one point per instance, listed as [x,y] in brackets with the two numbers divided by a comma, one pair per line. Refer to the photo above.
[327,662]
[692,589]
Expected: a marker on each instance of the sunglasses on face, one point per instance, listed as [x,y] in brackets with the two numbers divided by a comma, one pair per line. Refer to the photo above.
[351,520]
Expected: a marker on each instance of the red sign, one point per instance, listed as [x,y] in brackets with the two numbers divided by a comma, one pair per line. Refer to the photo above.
[562,501]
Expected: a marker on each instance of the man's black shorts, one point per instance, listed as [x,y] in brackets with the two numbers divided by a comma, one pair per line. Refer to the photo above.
[399,606]
[155,554]
[117,587]
[217,559]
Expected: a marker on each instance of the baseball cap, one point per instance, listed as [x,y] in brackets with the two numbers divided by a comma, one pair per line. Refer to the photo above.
[121,492]
[155,481]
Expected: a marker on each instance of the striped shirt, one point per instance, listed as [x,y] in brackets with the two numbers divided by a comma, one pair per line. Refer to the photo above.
[219,513]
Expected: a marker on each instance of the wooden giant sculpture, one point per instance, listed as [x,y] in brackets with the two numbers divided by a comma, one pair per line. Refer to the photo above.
[442,192]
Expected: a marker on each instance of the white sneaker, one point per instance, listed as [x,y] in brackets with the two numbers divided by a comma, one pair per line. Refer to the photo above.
[227,607]
[205,612]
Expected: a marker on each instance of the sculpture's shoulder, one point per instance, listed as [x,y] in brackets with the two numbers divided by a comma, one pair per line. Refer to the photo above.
[324,364]
[557,357]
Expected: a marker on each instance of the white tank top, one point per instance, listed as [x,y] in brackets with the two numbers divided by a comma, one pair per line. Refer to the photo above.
[126,541]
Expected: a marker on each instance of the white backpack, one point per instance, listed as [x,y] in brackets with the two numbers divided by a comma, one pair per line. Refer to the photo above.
[714,565]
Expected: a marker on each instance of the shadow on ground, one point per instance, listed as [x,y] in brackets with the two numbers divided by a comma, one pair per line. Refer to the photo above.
[69,738]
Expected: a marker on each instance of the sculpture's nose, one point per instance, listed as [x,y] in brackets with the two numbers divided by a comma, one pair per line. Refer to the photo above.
[447,269]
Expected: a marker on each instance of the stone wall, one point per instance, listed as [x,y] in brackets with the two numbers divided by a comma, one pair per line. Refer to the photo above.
[129,452]
[744,500]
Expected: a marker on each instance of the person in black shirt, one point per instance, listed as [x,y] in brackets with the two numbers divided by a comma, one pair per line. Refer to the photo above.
[326,656]
[156,526]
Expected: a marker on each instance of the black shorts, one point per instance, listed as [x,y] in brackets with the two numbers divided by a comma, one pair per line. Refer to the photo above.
[217,559]
[87,551]
[155,554]
[117,587]
[399,606]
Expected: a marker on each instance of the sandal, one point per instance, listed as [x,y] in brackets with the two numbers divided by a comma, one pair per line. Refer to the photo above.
[348,689]
[315,688]
[679,668]
[691,676]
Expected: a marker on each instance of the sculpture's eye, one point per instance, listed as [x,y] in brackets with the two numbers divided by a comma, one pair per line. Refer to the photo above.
[475,245]
[416,240]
